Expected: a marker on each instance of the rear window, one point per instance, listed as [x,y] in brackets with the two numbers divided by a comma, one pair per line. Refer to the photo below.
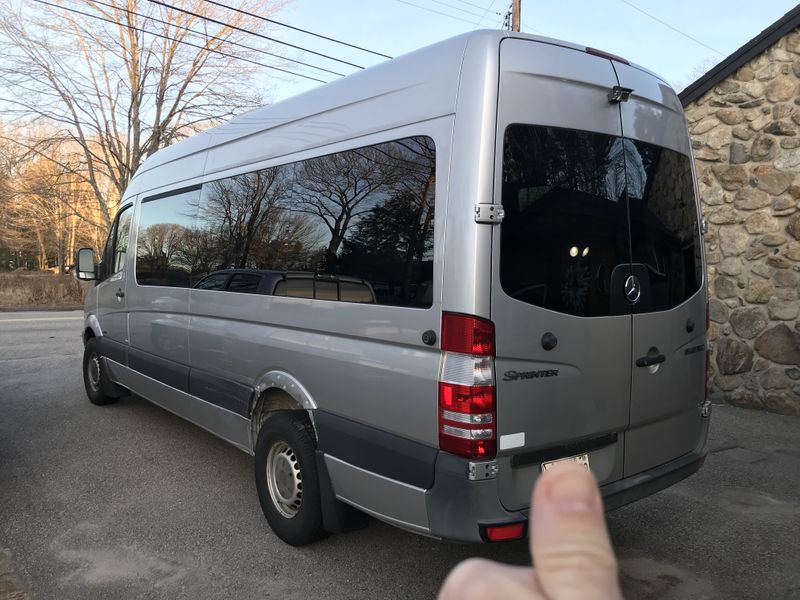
[568,197]
[665,237]
[565,228]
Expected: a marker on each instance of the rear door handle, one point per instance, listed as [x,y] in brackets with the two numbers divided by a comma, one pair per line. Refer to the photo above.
[650,360]
[120,293]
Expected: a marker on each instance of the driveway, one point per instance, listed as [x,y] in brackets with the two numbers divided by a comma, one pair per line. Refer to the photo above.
[129,501]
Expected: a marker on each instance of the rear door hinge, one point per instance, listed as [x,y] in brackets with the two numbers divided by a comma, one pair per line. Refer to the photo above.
[489,213]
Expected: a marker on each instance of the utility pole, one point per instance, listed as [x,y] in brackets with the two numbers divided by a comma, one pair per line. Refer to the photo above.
[513,16]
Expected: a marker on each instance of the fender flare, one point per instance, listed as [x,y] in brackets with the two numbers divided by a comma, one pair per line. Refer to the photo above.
[91,322]
[287,383]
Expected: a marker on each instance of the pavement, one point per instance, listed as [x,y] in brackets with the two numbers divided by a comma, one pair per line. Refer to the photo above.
[129,501]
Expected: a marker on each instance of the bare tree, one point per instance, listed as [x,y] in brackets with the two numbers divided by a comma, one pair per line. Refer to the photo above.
[120,79]
[340,188]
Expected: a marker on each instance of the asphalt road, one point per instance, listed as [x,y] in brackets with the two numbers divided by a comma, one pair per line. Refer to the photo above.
[129,501]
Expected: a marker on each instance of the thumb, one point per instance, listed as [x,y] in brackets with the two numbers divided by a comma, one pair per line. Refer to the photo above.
[571,550]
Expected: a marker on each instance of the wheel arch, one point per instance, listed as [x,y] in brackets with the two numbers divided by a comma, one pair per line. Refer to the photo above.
[91,328]
[278,391]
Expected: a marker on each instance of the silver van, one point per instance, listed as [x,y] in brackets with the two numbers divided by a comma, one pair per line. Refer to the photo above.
[410,291]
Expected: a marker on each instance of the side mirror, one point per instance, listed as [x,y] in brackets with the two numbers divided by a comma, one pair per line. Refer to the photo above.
[84,265]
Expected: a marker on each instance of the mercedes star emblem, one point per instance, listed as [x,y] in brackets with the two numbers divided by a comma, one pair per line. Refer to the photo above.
[633,290]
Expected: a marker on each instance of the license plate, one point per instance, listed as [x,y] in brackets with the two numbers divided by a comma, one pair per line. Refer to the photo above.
[581,459]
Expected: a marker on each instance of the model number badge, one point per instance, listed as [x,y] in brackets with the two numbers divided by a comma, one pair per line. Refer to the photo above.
[515,375]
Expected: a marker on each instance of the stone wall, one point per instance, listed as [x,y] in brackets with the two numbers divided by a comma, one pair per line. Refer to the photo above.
[746,140]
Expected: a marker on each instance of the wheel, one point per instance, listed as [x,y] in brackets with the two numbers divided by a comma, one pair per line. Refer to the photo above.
[286,478]
[93,375]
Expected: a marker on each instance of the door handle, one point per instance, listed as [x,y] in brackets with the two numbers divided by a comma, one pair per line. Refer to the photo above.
[650,360]
[120,293]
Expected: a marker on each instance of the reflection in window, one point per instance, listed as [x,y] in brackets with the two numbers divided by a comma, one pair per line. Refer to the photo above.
[166,247]
[664,232]
[212,282]
[122,235]
[244,283]
[365,214]
[565,241]
[355,292]
[325,287]
[565,226]
[295,288]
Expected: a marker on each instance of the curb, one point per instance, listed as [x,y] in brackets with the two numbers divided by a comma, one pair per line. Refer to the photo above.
[40,308]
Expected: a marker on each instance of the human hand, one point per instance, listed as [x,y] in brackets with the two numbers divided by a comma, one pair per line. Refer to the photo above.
[572,554]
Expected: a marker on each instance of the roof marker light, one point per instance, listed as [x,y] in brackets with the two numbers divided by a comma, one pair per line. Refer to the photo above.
[608,55]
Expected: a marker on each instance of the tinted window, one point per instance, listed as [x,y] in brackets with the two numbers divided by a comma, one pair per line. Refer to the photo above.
[295,288]
[355,292]
[212,282]
[108,250]
[326,290]
[116,245]
[244,283]
[167,246]
[664,232]
[365,213]
[122,236]
[565,227]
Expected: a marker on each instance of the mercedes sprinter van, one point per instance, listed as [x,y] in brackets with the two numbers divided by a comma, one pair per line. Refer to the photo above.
[410,291]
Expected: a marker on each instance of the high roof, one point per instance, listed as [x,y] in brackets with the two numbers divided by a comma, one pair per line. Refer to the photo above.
[765,39]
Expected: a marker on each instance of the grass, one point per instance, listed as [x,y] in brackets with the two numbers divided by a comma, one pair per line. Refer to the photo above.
[24,289]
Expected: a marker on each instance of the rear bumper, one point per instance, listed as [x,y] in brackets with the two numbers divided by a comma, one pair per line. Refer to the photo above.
[622,492]
[458,508]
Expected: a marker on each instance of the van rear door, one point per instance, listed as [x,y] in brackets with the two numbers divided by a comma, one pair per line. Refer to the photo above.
[561,257]
[669,314]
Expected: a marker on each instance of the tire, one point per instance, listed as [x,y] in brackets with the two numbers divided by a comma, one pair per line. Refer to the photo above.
[93,375]
[287,480]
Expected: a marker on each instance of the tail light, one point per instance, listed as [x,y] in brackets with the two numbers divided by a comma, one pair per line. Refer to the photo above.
[467,413]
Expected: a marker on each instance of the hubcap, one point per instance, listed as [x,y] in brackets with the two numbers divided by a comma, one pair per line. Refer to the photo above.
[284,479]
[93,372]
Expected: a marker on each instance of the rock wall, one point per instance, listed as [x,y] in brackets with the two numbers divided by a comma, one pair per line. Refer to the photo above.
[746,140]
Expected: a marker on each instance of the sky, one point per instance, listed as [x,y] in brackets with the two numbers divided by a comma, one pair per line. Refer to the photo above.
[678,40]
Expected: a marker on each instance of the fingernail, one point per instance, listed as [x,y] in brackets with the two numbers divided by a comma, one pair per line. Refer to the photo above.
[573,492]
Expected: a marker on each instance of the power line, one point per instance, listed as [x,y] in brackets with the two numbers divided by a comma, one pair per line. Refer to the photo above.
[469,12]
[306,31]
[477,5]
[675,29]
[430,10]
[204,34]
[485,12]
[99,18]
[242,29]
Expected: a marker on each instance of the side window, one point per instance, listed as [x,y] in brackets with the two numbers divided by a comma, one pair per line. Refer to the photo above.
[365,214]
[355,292]
[116,245]
[108,250]
[244,283]
[122,237]
[212,282]
[167,245]
[295,288]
